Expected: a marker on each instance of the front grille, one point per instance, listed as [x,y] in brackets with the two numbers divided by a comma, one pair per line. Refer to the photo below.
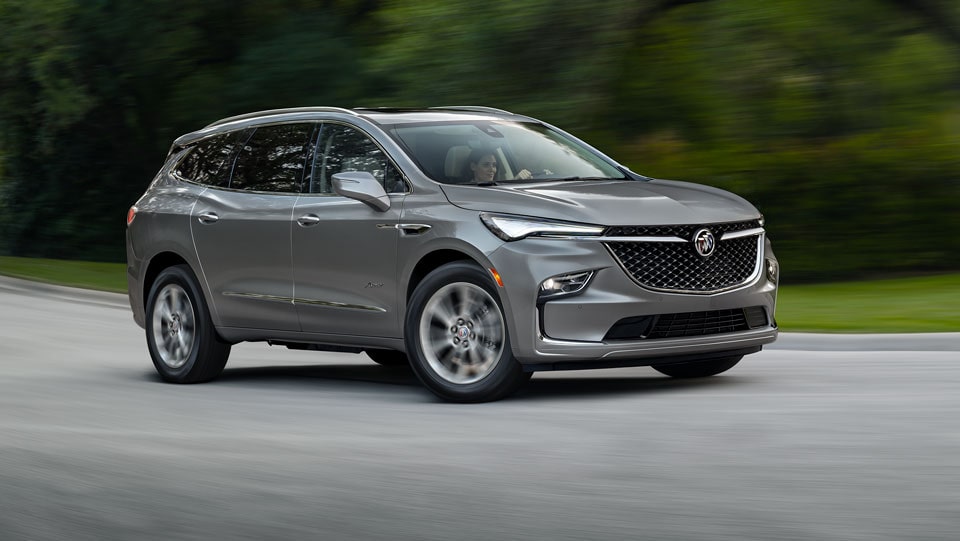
[676,266]
[688,324]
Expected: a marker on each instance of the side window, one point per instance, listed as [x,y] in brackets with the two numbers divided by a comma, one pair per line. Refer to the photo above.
[341,149]
[208,162]
[273,159]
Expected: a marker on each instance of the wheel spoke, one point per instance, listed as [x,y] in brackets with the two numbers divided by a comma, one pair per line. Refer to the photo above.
[461,332]
[173,325]
[444,312]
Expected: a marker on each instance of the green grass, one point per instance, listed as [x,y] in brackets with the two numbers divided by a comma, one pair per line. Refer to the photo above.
[918,304]
[86,274]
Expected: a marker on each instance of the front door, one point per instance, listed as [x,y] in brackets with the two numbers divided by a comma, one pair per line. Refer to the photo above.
[345,252]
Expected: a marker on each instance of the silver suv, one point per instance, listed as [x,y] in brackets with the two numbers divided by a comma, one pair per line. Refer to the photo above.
[477,245]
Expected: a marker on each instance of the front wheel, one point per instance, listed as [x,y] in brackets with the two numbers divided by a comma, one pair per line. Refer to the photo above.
[183,344]
[698,369]
[457,339]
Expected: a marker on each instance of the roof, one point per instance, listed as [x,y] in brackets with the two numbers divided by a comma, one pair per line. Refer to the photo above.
[378,115]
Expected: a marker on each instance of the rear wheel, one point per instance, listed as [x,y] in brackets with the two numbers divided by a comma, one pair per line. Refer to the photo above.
[457,339]
[698,369]
[183,343]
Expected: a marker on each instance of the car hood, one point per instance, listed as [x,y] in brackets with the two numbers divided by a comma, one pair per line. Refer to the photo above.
[614,202]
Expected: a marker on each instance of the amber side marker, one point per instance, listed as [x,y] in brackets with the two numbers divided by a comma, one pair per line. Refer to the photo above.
[496,276]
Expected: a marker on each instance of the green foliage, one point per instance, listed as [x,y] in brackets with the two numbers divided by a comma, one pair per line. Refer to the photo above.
[919,304]
[838,119]
[85,274]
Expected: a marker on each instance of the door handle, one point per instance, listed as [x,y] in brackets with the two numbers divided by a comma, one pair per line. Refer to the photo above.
[308,219]
[208,217]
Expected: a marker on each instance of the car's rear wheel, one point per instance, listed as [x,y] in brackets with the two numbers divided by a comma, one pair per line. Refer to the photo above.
[457,338]
[183,343]
[698,369]
[388,357]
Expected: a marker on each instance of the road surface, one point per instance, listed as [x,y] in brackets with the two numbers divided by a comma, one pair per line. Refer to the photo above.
[815,438]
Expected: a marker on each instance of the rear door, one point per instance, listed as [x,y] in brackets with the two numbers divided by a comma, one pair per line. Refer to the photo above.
[243,233]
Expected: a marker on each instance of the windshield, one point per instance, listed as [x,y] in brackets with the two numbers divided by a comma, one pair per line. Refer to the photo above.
[494,152]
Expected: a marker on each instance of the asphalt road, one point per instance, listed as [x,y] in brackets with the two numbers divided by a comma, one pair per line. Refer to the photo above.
[853,438]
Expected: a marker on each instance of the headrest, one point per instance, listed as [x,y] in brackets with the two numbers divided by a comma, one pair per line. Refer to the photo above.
[456,161]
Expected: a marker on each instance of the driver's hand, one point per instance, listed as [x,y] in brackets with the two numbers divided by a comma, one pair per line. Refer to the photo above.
[524,174]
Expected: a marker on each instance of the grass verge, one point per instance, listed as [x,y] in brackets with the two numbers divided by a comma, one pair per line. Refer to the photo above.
[918,304]
[85,274]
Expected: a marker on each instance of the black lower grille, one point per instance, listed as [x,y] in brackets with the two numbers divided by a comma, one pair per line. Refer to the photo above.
[688,324]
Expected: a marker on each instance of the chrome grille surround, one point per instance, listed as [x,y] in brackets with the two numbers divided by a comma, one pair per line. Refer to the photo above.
[663,258]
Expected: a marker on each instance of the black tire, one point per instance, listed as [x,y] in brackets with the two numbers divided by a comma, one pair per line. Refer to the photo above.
[440,351]
[388,357]
[189,350]
[698,369]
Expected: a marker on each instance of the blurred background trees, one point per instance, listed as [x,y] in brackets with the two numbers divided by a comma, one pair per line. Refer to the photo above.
[840,120]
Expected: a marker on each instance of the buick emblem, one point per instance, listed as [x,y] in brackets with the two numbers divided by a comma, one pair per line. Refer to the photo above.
[704,242]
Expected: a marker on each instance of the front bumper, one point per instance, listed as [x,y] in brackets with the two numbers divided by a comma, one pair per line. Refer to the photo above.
[570,332]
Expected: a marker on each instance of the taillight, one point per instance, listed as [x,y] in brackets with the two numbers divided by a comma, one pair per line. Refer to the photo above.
[131,214]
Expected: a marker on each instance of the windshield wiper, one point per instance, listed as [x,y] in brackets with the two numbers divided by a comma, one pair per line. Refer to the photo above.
[565,179]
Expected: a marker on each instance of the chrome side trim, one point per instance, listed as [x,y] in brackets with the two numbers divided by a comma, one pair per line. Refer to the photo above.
[332,304]
[258,296]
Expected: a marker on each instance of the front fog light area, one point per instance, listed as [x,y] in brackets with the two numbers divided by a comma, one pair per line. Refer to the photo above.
[773,270]
[564,284]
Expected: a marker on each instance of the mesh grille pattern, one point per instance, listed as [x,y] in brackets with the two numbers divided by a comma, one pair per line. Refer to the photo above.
[676,266]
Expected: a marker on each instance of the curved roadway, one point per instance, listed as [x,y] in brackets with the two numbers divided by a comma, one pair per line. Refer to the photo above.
[816,437]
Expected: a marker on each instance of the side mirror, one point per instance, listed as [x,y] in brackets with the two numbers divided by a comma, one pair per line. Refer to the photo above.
[363,187]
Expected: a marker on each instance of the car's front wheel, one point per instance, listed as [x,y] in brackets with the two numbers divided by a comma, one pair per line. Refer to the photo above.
[698,369]
[183,344]
[457,339]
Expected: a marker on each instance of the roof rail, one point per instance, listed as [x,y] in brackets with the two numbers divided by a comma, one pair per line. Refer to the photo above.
[475,108]
[268,112]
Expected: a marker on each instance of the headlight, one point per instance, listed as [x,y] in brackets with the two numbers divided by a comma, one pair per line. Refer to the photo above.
[518,227]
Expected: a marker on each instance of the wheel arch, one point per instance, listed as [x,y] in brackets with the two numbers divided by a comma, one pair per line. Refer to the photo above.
[432,261]
[158,262]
